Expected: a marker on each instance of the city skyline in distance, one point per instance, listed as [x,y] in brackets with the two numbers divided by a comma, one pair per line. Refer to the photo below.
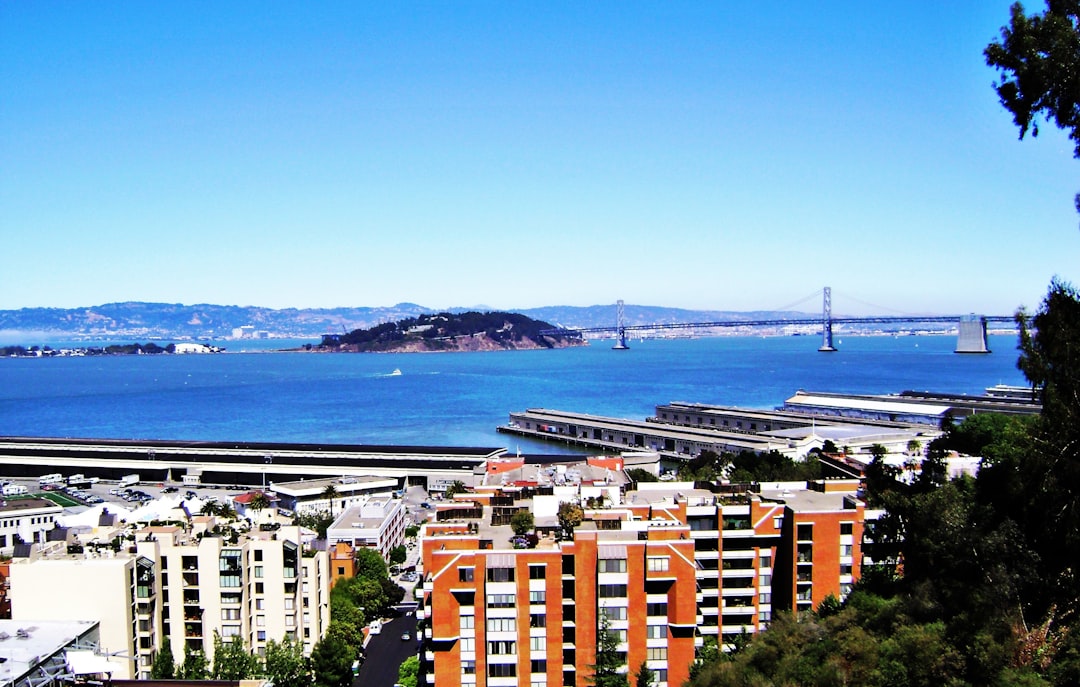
[692,156]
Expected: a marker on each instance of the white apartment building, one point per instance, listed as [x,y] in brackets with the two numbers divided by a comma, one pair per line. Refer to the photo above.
[264,586]
[379,523]
[172,586]
[310,495]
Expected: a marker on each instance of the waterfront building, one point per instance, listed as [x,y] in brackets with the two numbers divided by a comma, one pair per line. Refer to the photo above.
[668,564]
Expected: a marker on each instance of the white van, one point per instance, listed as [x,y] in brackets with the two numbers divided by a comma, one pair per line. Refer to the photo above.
[54,478]
[14,489]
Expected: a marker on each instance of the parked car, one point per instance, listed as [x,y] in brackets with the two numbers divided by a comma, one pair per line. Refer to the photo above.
[405,636]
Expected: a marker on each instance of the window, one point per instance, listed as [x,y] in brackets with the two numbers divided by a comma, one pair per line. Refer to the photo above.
[538,666]
[502,670]
[467,622]
[258,555]
[611,565]
[259,571]
[468,667]
[501,601]
[537,597]
[657,563]
[847,528]
[501,624]
[845,569]
[611,591]
[467,644]
[614,612]
[656,653]
[846,549]
[537,572]
[230,614]
[500,575]
[465,574]
[537,643]
[537,620]
[656,631]
[502,647]
[766,560]
[805,532]
[259,604]
[230,631]
[656,609]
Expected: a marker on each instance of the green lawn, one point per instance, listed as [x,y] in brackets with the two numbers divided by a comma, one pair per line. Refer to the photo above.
[59,498]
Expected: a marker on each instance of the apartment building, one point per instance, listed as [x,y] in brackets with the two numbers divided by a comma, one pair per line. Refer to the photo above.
[667,564]
[118,591]
[178,585]
[262,586]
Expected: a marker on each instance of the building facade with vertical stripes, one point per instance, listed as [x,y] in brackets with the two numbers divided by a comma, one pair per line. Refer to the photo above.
[664,566]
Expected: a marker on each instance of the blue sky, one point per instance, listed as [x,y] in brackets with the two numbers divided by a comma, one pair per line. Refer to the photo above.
[727,156]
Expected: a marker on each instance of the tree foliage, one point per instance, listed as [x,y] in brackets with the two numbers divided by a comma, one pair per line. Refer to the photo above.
[286,665]
[195,665]
[606,671]
[331,662]
[1038,59]
[570,516]
[522,522]
[408,671]
[164,667]
[232,660]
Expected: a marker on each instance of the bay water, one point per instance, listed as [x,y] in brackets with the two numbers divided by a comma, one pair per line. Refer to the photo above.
[458,399]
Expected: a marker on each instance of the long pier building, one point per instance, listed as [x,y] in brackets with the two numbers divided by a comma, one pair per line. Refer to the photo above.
[760,431]
[235,462]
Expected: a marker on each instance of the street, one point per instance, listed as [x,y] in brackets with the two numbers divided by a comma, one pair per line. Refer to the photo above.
[386,651]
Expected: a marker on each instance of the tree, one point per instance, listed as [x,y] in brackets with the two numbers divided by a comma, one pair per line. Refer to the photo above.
[522,522]
[641,475]
[457,487]
[331,662]
[605,672]
[570,516]
[408,671]
[258,503]
[644,677]
[370,564]
[232,661]
[1038,59]
[330,493]
[195,665]
[285,663]
[164,667]
[398,554]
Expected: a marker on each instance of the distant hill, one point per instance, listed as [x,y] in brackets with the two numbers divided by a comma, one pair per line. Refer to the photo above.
[467,331]
[173,321]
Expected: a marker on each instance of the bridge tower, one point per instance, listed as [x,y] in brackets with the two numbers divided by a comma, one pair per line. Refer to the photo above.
[971,335]
[826,322]
[620,328]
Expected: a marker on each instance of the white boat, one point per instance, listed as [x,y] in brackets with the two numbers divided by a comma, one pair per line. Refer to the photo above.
[395,373]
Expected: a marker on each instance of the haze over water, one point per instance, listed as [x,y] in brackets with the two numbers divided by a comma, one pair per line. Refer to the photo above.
[458,399]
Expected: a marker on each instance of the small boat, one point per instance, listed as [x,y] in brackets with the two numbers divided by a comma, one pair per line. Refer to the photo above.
[395,373]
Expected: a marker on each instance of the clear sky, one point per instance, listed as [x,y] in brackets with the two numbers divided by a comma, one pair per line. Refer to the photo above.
[714,155]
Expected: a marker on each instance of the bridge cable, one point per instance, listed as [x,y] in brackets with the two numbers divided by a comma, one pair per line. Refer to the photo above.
[804,299]
[880,307]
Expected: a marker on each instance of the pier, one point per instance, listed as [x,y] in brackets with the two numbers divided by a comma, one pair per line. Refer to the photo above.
[234,462]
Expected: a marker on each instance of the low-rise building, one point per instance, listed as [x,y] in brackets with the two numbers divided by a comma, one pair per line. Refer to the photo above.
[25,520]
[330,494]
[377,522]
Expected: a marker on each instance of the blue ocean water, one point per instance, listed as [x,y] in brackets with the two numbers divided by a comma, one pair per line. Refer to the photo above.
[458,399]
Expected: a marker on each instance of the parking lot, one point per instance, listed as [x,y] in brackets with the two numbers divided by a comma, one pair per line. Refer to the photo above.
[92,491]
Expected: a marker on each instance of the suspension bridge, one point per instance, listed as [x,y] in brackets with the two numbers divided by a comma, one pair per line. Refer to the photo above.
[971,329]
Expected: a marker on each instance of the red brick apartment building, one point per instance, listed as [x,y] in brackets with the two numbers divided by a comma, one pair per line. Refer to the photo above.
[666,563]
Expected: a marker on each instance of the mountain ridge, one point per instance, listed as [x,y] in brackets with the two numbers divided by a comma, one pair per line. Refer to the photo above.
[149,320]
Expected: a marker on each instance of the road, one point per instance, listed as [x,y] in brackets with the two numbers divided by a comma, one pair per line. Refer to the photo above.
[386,651]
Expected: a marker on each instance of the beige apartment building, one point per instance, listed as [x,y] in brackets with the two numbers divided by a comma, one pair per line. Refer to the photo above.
[171,585]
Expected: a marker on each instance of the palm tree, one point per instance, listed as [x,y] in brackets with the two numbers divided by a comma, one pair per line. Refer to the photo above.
[258,503]
[330,493]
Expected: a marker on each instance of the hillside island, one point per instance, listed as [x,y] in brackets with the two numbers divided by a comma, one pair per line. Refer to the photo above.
[450,332]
